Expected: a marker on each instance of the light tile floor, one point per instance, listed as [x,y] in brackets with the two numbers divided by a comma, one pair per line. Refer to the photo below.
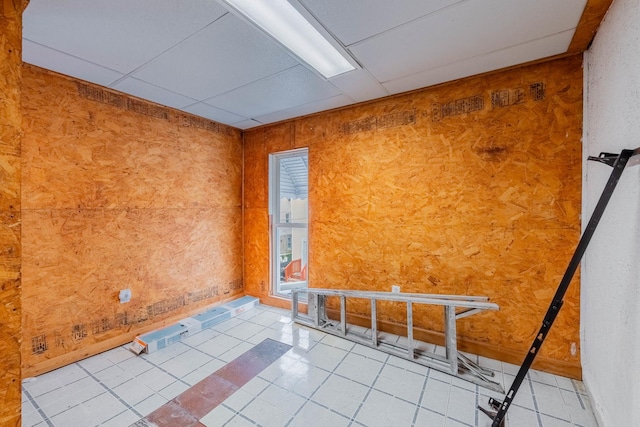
[322,381]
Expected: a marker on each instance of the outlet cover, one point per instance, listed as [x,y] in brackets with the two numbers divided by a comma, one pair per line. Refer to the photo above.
[125,296]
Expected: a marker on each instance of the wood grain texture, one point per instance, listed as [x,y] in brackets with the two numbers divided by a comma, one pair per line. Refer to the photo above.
[10,212]
[120,194]
[593,14]
[471,187]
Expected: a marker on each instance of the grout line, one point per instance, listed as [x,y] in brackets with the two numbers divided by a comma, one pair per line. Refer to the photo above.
[419,404]
[114,417]
[113,393]
[38,408]
[535,401]
[476,410]
[310,398]
[578,395]
[167,372]
[290,331]
[366,396]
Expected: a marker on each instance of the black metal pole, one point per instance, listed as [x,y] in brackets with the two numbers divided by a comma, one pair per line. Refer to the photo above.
[618,163]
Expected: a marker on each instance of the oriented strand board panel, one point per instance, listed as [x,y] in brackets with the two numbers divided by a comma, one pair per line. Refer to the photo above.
[120,194]
[593,14]
[10,284]
[472,187]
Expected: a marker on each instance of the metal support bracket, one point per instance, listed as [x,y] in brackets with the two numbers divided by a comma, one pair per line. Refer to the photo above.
[618,162]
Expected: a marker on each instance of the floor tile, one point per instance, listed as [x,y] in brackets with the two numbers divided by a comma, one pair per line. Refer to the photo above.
[167,353]
[385,410]
[283,399]
[401,383]
[265,414]
[436,396]
[30,415]
[245,330]
[314,415]
[310,383]
[133,392]
[429,418]
[172,415]
[219,344]
[239,421]
[53,380]
[103,407]
[155,379]
[323,380]
[150,404]
[218,417]
[69,396]
[462,406]
[341,395]
[122,419]
[188,362]
[173,389]
[239,400]
[113,376]
[360,368]
[119,354]
[236,351]
[199,338]
[203,371]
[96,363]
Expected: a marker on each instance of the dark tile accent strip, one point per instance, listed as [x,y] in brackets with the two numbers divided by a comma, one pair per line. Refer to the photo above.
[196,402]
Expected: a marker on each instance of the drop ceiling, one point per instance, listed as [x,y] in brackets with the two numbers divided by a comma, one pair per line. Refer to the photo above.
[198,57]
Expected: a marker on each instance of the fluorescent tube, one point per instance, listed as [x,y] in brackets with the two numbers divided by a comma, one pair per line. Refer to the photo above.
[283,22]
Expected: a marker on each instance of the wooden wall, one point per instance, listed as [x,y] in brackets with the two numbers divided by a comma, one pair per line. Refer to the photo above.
[10,135]
[471,187]
[117,194]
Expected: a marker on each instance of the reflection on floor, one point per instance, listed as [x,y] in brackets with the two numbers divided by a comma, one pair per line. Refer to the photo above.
[321,381]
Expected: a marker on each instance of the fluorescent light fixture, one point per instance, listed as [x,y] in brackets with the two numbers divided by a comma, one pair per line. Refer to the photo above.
[283,22]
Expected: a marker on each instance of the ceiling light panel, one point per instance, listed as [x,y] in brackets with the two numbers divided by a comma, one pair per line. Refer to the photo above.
[286,24]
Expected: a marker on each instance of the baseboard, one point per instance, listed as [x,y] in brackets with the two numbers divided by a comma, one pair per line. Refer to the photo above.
[99,347]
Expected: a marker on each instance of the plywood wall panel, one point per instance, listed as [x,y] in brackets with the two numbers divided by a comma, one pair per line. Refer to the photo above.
[10,212]
[279,137]
[80,259]
[118,160]
[255,169]
[472,187]
[121,194]
[256,245]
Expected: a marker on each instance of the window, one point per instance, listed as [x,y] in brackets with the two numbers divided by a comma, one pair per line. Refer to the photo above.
[289,211]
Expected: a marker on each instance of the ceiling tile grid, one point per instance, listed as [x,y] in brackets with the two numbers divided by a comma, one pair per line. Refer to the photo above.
[199,57]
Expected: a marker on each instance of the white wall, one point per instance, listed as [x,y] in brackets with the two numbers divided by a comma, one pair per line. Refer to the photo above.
[611,267]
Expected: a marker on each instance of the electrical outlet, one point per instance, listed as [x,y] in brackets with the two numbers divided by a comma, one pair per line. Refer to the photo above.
[395,289]
[125,296]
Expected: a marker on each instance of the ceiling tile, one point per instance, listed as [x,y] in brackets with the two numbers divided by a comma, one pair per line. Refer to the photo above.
[295,86]
[302,110]
[35,54]
[359,85]
[153,93]
[210,112]
[247,124]
[223,56]
[526,52]
[119,34]
[355,20]
[466,30]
